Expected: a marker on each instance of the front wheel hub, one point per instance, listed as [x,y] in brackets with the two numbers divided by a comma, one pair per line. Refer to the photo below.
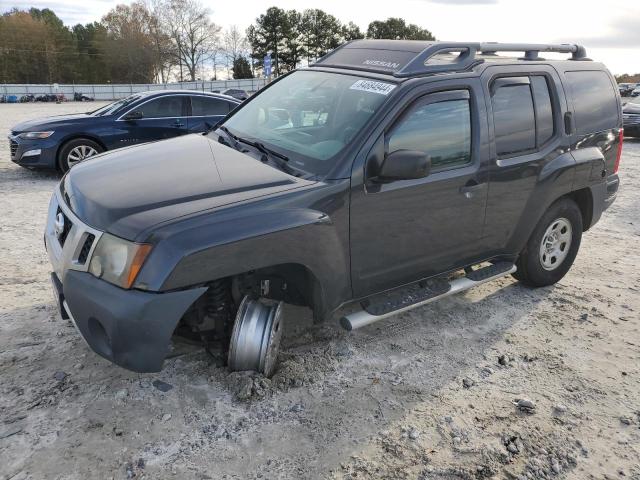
[255,340]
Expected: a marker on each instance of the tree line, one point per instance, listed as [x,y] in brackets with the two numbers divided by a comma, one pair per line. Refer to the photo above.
[164,40]
[628,78]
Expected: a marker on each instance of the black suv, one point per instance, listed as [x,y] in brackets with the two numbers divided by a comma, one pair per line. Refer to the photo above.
[388,174]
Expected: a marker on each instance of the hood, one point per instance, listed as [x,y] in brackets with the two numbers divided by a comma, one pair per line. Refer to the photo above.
[48,123]
[129,190]
[631,108]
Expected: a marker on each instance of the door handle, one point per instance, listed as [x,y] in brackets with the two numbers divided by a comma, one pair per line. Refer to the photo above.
[568,123]
[472,187]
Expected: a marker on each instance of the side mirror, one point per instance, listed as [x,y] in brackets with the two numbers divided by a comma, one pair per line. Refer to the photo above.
[133,115]
[405,165]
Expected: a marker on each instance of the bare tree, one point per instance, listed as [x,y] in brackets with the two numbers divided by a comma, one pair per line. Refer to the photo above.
[235,46]
[164,49]
[194,34]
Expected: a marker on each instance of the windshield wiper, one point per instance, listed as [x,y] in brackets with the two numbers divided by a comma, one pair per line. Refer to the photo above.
[262,148]
[257,145]
[266,151]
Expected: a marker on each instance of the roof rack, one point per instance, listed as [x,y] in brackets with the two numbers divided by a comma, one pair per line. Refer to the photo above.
[409,58]
[467,57]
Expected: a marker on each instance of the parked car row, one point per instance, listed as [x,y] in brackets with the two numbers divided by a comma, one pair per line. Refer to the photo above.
[64,140]
[631,119]
[629,89]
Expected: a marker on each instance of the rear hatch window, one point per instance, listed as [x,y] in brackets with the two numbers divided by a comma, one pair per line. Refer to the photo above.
[595,102]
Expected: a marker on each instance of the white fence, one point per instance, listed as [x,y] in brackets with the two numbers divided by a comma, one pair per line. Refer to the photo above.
[115,91]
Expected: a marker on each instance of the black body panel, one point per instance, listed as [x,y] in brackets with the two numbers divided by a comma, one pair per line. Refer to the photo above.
[211,211]
[128,327]
[168,180]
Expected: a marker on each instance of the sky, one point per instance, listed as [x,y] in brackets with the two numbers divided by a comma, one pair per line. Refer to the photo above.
[610,29]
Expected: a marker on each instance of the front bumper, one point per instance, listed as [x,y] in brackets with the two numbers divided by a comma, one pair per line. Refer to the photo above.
[131,328]
[33,153]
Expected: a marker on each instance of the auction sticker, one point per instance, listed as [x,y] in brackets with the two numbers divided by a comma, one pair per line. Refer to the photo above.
[371,86]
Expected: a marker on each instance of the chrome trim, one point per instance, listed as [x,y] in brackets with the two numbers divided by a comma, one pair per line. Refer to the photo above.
[362,318]
[231,99]
[64,258]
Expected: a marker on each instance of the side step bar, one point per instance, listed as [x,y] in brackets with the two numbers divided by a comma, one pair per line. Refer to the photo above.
[421,294]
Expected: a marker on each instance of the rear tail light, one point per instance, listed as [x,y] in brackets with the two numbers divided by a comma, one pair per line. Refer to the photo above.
[619,154]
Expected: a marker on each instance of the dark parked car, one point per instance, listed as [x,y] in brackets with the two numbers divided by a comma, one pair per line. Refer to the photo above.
[631,119]
[62,141]
[387,175]
[625,89]
[236,93]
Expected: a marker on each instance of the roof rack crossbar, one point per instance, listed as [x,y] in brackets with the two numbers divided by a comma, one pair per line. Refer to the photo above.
[531,50]
[467,57]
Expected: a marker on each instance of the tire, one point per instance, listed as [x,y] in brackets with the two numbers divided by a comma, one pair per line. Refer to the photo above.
[74,149]
[560,228]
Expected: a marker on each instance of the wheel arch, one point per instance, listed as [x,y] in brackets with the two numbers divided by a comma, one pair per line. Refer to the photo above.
[299,285]
[584,199]
[78,136]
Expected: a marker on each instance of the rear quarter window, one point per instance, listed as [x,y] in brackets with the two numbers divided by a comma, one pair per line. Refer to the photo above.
[594,101]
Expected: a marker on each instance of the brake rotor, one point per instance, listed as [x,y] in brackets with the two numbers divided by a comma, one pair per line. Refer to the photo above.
[255,340]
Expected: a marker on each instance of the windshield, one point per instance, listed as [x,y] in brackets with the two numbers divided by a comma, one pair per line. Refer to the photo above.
[310,116]
[116,106]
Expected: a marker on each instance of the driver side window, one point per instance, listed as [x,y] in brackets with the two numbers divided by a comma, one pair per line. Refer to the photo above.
[442,130]
[163,107]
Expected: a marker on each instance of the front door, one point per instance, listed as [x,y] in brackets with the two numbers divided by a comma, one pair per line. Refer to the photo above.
[161,118]
[405,230]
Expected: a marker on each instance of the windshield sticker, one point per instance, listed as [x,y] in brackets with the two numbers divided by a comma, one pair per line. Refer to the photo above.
[374,87]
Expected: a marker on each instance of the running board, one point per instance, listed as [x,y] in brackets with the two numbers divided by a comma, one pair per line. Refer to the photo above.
[419,294]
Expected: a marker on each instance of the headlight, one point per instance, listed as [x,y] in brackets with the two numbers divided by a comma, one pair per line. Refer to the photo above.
[35,135]
[118,261]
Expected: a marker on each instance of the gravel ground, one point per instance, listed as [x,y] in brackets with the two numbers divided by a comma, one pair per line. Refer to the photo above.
[500,382]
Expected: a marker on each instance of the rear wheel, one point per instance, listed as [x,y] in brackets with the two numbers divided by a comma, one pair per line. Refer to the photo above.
[76,150]
[552,247]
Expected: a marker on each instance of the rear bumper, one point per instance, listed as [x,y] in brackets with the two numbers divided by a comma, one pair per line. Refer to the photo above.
[613,184]
[632,130]
[131,328]
[603,195]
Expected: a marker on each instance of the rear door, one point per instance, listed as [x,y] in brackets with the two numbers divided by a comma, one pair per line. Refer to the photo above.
[530,158]
[162,117]
[206,112]
[405,230]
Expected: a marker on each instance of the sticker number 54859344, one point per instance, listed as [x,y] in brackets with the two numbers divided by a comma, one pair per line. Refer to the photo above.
[372,86]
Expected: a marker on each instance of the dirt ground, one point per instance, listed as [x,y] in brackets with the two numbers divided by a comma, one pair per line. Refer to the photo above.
[429,394]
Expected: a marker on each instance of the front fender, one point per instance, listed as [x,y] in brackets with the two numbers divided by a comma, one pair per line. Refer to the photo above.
[246,238]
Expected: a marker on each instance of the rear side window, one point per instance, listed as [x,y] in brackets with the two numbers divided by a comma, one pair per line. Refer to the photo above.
[162,107]
[544,111]
[514,119]
[594,101]
[208,106]
[442,130]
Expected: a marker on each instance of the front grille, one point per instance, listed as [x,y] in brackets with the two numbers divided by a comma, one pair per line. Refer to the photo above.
[86,248]
[66,229]
[13,146]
